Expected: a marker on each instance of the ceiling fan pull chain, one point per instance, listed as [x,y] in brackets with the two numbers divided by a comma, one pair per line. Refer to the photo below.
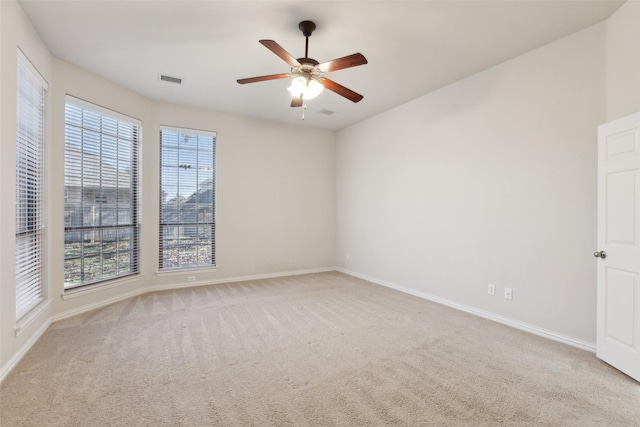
[304,107]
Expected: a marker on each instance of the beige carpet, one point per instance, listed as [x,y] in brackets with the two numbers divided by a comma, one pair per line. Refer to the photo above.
[314,350]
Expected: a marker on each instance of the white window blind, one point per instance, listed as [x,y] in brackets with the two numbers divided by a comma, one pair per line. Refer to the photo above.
[29,186]
[187,198]
[101,194]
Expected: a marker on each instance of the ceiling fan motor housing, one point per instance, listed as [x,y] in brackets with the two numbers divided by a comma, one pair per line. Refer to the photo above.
[308,67]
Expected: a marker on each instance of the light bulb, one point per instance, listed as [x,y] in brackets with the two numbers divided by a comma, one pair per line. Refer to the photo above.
[308,88]
[314,88]
[298,86]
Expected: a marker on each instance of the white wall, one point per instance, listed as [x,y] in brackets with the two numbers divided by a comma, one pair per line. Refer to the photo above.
[275,200]
[71,80]
[275,194]
[16,31]
[623,61]
[489,180]
[272,182]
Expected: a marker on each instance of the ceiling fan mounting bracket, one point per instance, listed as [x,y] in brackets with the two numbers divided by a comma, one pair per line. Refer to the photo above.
[307,27]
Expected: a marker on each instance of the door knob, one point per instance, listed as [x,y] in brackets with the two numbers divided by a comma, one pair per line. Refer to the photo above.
[601,254]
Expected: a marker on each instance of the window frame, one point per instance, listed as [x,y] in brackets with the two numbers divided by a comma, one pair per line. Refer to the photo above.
[134,189]
[29,186]
[162,269]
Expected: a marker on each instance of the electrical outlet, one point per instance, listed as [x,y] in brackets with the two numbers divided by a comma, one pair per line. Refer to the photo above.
[491,289]
[191,278]
[508,293]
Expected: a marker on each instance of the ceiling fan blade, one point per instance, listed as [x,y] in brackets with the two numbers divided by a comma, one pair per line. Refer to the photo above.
[342,63]
[340,90]
[296,102]
[279,50]
[263,78]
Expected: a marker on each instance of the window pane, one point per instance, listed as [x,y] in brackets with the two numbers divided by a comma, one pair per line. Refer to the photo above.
[187,199]
[29,187]
[101,191]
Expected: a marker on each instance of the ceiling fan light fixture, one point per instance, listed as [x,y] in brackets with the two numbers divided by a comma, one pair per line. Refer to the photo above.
[314,88]
[298,86]
[308,88]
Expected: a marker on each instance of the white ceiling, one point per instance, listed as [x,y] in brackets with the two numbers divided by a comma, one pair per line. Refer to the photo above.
[413,47]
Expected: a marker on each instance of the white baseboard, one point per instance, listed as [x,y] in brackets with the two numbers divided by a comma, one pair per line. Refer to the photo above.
[135,293]
[239,279]
[4,370]
[8,367]
[89,307]
[574,342]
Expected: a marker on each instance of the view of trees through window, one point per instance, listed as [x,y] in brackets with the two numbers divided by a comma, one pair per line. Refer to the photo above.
[101,196]
[187,198]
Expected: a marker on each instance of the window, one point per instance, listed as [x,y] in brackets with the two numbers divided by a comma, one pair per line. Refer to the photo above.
[187,198]
[101,229]
[29,186]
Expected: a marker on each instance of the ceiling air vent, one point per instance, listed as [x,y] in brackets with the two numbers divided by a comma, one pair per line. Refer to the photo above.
[170,79]
[326,112]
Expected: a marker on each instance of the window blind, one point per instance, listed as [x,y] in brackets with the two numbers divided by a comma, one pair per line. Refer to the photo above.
[101,194]
[29,186]
[187,198]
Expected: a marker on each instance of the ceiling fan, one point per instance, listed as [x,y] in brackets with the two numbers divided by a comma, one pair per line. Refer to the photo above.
[308,73]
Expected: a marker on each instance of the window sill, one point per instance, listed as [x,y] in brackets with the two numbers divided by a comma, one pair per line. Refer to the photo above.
[89,289]
[28,318]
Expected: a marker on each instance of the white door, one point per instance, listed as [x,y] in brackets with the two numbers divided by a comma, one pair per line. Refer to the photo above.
[618,252]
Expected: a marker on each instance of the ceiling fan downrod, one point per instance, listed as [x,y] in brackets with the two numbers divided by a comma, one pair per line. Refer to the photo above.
[307,27]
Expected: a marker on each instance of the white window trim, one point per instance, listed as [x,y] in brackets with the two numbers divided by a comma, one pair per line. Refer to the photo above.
[176,271]
[100,286]
[181,271]
[70,99]
[91,287]
[24,319]
[189,131]
[23,58]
